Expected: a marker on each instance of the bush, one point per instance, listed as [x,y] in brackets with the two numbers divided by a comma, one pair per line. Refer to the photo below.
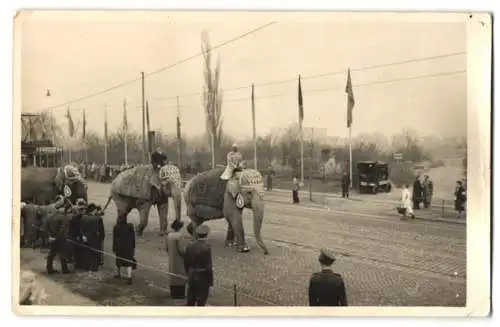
[402,174]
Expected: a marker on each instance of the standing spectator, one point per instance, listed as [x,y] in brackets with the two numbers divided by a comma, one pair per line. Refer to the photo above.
[326,288]
[76,235]
[346,183]
[417,193]
[428,191]
[198,265]
[295,190]
[460,199]
[176,249]
[124,248]
[270,181]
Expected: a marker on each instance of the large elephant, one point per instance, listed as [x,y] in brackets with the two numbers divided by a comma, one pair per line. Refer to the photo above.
[142,187]
[208,197]
[42,185]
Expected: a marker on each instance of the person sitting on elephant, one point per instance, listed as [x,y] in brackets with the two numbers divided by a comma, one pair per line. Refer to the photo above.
[234,160]
[158,159]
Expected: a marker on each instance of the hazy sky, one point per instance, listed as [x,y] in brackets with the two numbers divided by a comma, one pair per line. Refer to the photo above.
[75,54]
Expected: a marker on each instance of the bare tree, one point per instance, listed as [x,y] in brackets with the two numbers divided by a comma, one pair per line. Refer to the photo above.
[212,98]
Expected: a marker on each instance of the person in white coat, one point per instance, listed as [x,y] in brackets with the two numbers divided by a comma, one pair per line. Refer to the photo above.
[406,202]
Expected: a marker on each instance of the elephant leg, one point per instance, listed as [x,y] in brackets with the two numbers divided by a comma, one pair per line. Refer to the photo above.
[229,235]
[234,216]
[163,216]
[144,217]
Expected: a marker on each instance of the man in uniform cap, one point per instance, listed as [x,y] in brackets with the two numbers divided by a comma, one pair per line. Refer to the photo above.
[198,265]
[326,288]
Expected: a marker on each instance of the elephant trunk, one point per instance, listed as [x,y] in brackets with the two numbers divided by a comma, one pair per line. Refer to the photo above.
[258,216]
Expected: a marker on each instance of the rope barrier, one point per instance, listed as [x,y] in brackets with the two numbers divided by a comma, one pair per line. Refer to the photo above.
[219,286]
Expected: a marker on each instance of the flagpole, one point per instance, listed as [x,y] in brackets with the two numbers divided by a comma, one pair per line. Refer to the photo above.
[212,126]
[148,129]
[125,130]
[350,157]
[254,131]
[105,135]
[179,138]
[301,136]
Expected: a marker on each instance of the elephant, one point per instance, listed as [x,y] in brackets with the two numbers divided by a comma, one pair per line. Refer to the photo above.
[207,197]
[42,185]
[141,187]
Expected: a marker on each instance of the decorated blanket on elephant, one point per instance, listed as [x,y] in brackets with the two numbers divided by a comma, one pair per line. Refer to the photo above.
[208,188]
[136,182]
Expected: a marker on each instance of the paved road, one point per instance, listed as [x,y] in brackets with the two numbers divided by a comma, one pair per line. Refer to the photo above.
[385,261]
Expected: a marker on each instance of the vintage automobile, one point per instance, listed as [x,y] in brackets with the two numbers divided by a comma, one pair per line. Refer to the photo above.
[373,177]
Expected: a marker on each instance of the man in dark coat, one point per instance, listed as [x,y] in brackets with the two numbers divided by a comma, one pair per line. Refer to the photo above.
[198,265]
[346,183]
[93,230]
[326,288]
[77,238]
[158,159]
[417,193]
[57,228]
[428,191]
[460,198]
[124,248]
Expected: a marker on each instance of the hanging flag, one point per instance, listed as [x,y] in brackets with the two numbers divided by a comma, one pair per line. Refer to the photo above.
[350,98]
[178,127]
[125,122]
[84,127]
[71,125]
[301,104]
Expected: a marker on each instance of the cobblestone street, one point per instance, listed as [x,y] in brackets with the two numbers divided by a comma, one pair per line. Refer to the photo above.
[385,261]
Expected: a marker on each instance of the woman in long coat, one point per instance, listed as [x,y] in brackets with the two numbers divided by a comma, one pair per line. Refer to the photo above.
[176,248]
[460,198]
[124,248]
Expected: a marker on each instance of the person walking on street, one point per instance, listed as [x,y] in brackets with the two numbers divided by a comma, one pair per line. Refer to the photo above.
[295,191]
[406,202]
[198,265]
[428,191]
[326,288]
[124,248]
[460,199]
[176,249]
[346,183]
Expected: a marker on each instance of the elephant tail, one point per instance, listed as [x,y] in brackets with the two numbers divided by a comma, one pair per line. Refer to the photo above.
[107,203]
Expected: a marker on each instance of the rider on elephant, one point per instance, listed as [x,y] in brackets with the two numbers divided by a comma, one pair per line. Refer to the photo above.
[234,164]
[158,159]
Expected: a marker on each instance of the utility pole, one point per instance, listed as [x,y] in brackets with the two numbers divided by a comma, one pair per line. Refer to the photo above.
[144,145]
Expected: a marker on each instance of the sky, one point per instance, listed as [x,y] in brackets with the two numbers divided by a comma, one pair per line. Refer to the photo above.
[75,54]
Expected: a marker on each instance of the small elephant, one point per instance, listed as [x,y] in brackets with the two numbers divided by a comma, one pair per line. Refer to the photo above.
[208,197]
[141,187]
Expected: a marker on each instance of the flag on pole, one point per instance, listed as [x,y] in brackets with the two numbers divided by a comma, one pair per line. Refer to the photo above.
[350,98]
[147,116]
[301,104]
[84,127]
[125,122]
[178,127]
[71,125]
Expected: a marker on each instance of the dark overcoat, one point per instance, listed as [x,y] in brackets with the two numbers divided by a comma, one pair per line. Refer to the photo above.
[327,289]
[124,244]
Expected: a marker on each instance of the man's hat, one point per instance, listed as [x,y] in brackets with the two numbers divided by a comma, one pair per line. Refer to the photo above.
[202,230]
[326,257]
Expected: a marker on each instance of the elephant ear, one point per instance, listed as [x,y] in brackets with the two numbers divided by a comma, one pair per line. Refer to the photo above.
[137,182]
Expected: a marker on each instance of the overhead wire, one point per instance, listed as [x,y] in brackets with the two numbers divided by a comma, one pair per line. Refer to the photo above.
[109,89]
